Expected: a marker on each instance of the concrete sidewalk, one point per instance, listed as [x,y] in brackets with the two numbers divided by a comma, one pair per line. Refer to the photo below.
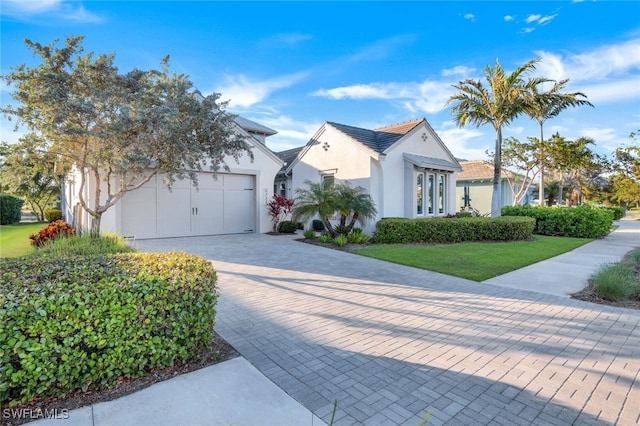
[569,272]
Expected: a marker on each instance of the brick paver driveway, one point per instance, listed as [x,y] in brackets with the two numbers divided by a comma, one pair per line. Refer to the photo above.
[390,342]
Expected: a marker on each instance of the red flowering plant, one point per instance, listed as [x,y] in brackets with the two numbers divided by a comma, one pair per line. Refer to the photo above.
[279,207]
[53,230]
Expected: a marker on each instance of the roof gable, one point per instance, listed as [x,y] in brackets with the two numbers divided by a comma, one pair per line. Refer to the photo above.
[378,139]
[480,170]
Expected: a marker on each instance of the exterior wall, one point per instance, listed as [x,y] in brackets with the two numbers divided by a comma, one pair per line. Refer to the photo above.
[263,168]
[398,193]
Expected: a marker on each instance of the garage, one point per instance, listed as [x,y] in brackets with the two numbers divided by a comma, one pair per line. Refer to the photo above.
[222,205]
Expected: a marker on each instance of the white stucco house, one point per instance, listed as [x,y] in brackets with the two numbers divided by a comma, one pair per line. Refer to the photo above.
[232,203]
[406,168]
[474,187]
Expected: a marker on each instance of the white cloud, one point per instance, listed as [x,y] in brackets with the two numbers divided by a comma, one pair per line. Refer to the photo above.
[427,96]
[466,143]
[546,19]
[63,9]
[243,92]
[532,18]
[381,49]
[600,63]
[470,17]
[458,70]
[509,18]
[285,40]
[291,133]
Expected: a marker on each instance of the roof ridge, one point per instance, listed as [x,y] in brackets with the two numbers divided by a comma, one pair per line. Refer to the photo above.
[416,121]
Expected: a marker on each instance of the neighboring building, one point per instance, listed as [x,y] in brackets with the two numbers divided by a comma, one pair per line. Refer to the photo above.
[405,167]
[232,203]
[474,187]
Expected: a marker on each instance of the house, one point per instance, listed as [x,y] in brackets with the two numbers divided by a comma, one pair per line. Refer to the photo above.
[474,187]
[231,203]
[405,167]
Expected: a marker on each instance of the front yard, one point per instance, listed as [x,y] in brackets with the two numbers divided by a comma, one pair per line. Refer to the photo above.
[477,261]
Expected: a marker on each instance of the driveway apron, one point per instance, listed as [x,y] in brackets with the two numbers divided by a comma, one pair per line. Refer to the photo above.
[390,343]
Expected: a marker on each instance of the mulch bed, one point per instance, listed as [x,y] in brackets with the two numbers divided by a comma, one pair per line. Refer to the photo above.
[588,295]
[217,351]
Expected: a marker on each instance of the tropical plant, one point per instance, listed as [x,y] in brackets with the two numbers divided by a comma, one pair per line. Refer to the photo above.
[279,207]
[325,199]
[120,129]
[497,104]
[542,105]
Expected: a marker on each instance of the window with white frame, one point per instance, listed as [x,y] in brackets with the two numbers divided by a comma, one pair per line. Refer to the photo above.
[430,194]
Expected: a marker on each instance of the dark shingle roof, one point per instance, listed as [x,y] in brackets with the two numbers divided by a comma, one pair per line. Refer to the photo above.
[252,126]
[378,139]
[288,157]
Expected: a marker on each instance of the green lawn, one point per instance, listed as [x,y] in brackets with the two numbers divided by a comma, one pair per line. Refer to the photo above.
[474,261]
[14,239]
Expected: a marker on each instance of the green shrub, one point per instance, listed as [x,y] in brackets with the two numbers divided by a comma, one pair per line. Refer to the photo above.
[309,234]
[10,209]
[317,225]
[446,230]
[358,237]
[86,244]
[616,282]
[51,215]
[325,237]
[52,231]
[579,222]
[81,322]
[618,212]
[464,214]
[287,227]
[340,240]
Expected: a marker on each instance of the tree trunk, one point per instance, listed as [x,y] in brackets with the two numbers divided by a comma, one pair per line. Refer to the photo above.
[95,225]
[541,188]
[329,227]
[496,198]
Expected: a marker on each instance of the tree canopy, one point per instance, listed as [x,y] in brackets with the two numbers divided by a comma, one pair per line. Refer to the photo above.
[120,128]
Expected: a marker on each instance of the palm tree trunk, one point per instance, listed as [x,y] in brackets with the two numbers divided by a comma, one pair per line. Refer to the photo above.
[496,198]
[541,187]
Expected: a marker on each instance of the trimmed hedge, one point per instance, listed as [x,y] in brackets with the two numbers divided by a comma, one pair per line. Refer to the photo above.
[80,322]
[287,227]
[51,215]
[578,222]
[10,209]
[452,230]
[618,212]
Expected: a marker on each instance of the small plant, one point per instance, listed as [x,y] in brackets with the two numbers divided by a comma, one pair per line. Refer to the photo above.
[279,207]
[618,281]
[309,234]
[51,215]
[358,237]
[86,245]
[287,227]
[325,237]
[54,230]
[340,240]
[317,225]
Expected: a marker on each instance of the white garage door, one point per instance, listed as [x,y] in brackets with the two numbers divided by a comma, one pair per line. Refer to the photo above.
[225,205]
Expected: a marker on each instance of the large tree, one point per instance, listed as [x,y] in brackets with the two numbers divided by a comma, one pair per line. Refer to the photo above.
[498,104]
[120,128]
[545,104]
[522,158]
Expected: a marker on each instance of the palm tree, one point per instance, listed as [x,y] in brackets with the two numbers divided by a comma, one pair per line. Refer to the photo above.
[498,104]
[326,198]
[355,205]
[543,105]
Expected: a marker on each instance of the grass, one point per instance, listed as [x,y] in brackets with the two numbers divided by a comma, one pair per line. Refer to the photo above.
[86,244]
[474,261]
[620,281]
[14,239]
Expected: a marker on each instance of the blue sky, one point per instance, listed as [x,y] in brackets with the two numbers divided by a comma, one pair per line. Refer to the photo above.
[292,66]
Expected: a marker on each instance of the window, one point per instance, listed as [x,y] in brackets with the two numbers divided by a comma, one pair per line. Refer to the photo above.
[419,195]
[441,194]
[328,179]
[430,195]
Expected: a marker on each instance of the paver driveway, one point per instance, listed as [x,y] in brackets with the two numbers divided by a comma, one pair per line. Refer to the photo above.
[390,342]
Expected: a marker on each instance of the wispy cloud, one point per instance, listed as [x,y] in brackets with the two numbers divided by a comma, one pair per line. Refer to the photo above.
[458,70]
[244,92]
[509,18]
[285,40]
[427,96]
[381,49]
[58,9]
[470,17]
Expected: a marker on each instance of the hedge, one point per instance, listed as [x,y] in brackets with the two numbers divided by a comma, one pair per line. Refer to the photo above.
[10,209]
[618,212]
[579,222]
[80,322]
[287,227]
[51,215]
[452,230]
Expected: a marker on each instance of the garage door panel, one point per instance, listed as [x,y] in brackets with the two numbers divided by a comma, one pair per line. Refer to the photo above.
[174,212]
[139,213]
[238,211]
[207,181]
[238,182]
[207,219]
